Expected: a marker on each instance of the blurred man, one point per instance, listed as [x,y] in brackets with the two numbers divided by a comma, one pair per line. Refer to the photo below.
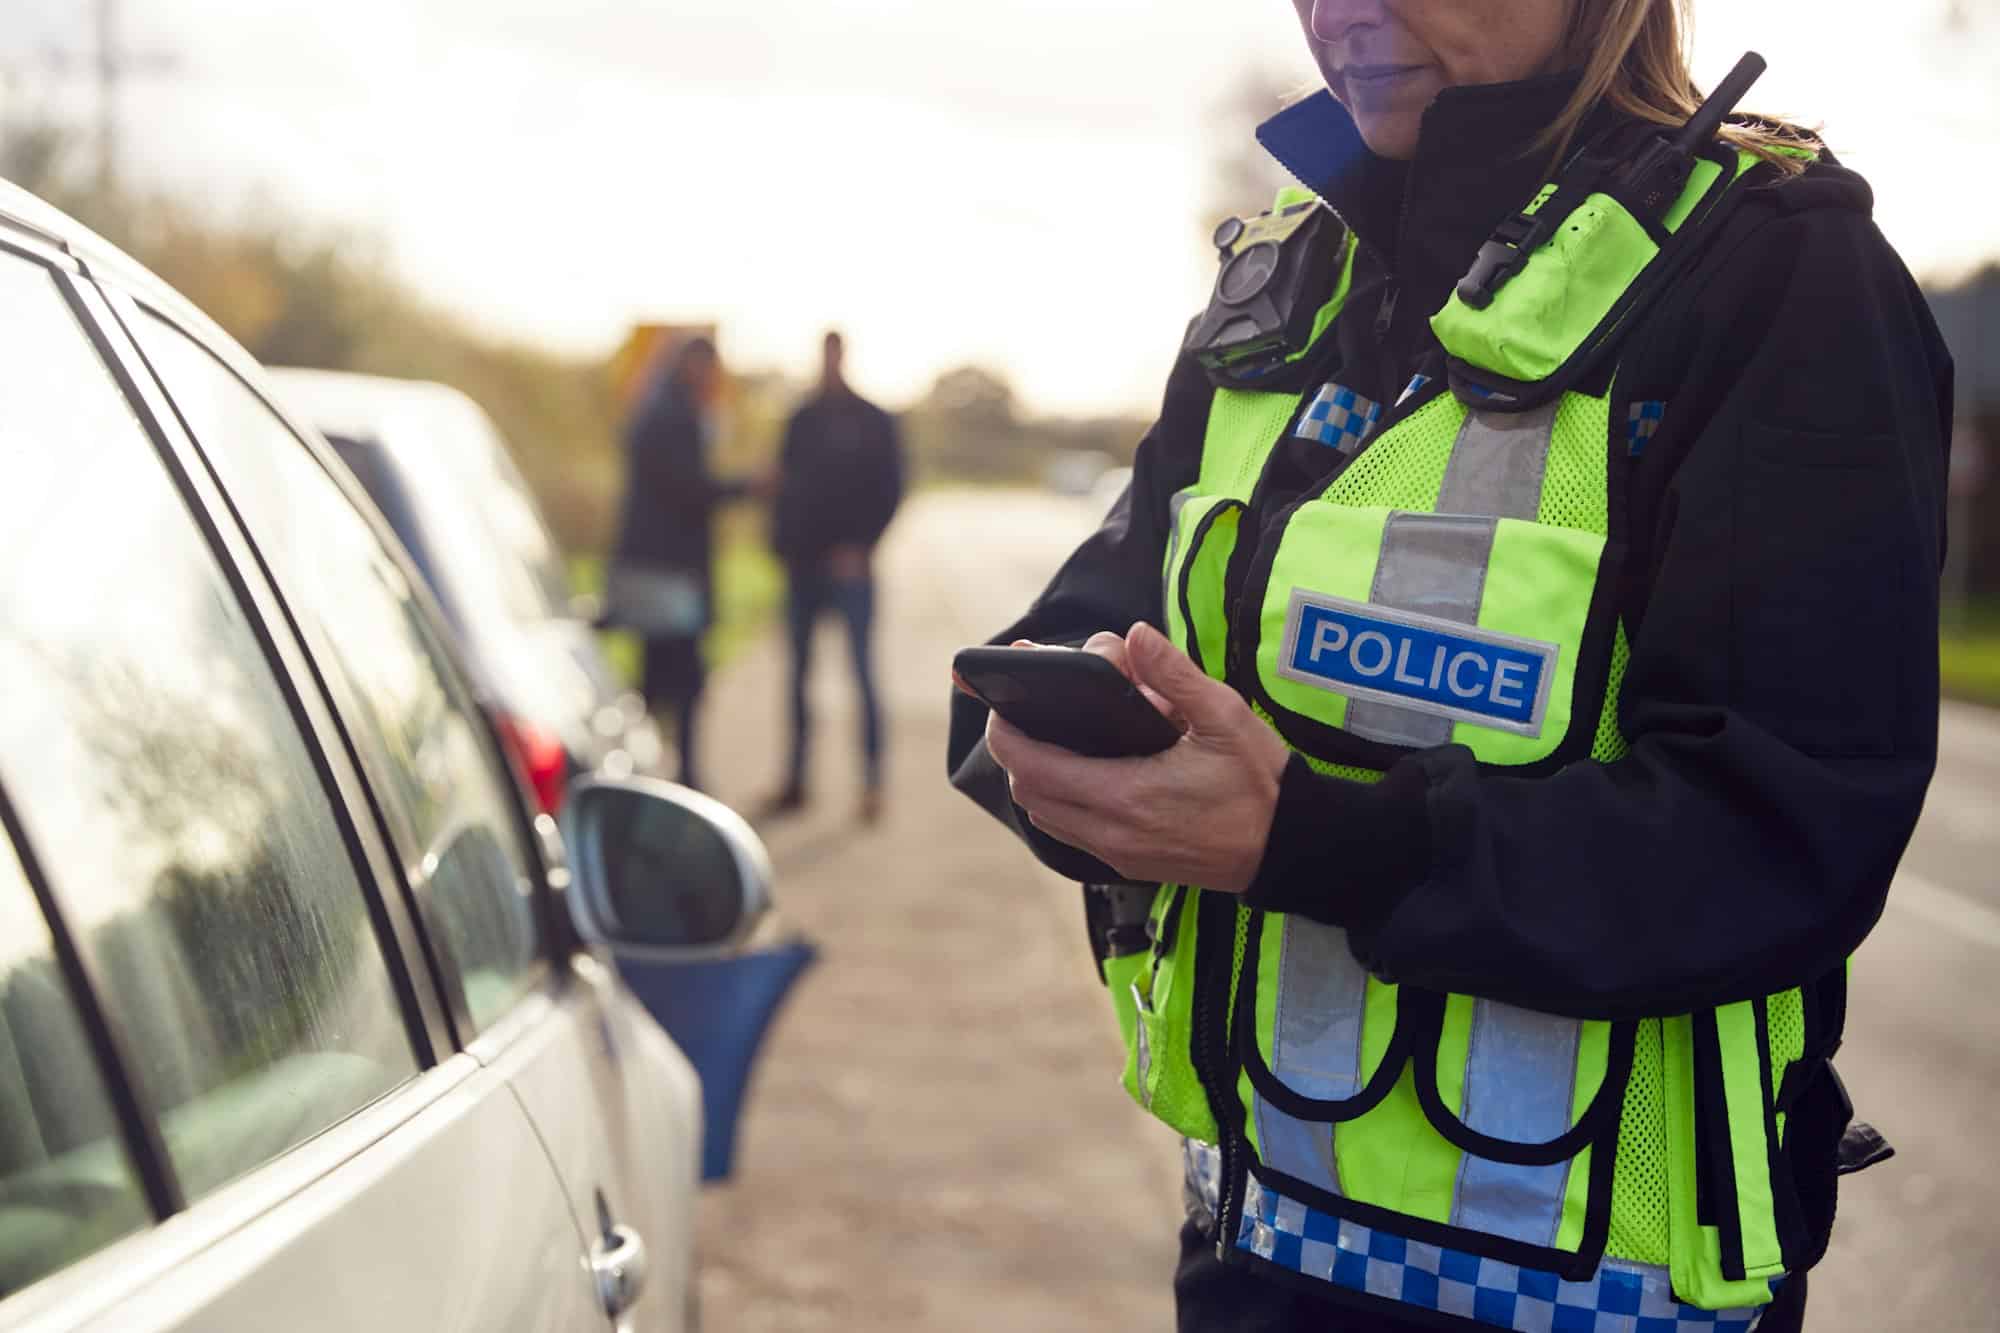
[662,573]
[840,479]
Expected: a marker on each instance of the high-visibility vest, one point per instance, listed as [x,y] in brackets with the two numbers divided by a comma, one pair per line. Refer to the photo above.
[1454,583]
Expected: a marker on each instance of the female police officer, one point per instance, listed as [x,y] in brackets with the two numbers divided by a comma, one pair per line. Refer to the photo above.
[1538,546]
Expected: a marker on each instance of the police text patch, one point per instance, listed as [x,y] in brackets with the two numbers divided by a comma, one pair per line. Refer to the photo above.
[1418,662]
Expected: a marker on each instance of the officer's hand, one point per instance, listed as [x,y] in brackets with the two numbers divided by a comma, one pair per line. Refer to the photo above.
[1198,813]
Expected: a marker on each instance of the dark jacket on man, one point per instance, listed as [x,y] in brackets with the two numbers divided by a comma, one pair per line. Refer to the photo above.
[843,478]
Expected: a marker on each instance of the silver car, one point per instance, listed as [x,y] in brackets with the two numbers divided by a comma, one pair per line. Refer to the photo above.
[308,1021]
[437,468]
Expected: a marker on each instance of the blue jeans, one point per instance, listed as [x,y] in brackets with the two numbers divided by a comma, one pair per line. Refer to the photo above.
[813,594]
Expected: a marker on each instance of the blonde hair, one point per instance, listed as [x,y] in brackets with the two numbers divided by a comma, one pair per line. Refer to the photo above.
[1634,56]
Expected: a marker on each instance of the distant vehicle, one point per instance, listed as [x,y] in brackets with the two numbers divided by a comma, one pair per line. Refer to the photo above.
[308,1019]
[1075,471]
[439,471]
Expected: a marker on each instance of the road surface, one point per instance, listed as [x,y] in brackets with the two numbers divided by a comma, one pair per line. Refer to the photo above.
[937,1140]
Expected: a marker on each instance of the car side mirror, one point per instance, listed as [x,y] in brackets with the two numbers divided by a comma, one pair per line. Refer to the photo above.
[660,871]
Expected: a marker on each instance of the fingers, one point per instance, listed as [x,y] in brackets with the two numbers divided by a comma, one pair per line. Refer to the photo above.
[1204,703]
[1071,824]
[1161,702]
[1110,647]
[1040,773]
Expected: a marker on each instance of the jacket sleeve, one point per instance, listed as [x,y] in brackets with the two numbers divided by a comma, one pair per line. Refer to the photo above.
[667,460]
[1781,696]
[887,493]
[1110,582]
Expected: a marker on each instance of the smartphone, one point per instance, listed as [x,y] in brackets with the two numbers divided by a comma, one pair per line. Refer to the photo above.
[1067,697]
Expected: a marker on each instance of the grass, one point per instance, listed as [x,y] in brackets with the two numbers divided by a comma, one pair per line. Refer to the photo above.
[1969,659]
[749,586]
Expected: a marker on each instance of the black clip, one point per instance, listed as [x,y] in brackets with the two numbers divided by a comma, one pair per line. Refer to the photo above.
[1504,255]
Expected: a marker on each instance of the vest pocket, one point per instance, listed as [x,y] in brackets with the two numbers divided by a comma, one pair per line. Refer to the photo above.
[1373,631]
[1200,544]
[1152,994]
[1534,1102]
[1458,1121]
[1735,1215]
[1319,1042]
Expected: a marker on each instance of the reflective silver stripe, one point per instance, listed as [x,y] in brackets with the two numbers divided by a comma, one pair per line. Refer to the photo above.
[1142,1053]
[1201,1173]
[1316,1047]
[1435,564]
[1520,1083]
[1169,574]
[1497,464]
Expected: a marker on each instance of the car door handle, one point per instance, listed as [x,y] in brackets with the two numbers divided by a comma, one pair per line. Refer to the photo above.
[618,1262]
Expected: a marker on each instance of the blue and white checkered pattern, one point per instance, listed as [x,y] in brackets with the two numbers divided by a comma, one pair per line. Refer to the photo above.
[1621,1297]
[1339,417]
[1412,389]
[1643,422]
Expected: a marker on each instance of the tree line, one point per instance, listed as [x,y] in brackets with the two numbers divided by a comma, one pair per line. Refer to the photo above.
[296,293]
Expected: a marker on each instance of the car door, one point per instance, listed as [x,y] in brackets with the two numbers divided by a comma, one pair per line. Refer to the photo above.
[308,1151]
[611,1098]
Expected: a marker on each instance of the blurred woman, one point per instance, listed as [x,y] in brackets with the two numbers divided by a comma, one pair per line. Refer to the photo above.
[1538,546]
[662,581]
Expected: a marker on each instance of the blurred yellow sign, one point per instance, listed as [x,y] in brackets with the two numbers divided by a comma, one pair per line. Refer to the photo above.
[644,348]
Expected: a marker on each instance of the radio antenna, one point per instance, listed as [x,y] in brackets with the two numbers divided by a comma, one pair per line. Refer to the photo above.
[1707,119]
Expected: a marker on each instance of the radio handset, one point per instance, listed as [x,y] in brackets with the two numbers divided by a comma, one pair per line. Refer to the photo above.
[1648,183]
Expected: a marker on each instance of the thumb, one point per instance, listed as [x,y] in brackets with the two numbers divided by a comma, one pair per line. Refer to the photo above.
[1204,702]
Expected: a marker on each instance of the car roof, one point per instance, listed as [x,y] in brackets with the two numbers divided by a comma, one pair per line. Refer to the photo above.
[100,259]
[400,417]
[96,255]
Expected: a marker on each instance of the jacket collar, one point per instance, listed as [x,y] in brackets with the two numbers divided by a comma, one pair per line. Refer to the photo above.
[1426,218]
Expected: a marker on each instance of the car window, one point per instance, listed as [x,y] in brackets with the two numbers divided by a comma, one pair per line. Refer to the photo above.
[159,772]
[66,1185]
[451,807]
[514,521]
[479,519]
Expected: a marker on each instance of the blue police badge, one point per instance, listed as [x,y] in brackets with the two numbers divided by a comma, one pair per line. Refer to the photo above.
[1418,662]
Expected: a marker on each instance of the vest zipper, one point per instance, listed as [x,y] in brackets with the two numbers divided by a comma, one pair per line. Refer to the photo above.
[1385,314]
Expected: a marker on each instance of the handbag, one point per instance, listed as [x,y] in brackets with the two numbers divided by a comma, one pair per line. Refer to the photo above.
[663,603]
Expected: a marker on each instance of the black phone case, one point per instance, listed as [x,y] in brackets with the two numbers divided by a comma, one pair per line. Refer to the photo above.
[1067,697]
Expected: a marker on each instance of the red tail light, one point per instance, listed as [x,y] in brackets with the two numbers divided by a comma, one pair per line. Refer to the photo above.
[540,757]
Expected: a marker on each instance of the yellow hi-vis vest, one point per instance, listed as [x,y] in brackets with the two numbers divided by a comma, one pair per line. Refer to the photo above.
[1453,584]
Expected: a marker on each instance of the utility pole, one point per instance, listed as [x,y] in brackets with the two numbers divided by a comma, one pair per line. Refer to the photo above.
[107,66]
[108,71]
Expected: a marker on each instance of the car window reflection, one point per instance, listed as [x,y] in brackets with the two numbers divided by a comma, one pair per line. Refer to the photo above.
[447,802]
[66,1185]
[158,769]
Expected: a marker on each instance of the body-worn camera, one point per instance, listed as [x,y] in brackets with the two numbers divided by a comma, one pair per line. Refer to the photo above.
[1277,272]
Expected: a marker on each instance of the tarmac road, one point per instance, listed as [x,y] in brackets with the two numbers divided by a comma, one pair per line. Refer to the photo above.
[1918,1246]
[937,1139]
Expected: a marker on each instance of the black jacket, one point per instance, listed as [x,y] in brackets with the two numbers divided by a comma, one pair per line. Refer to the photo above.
[842,478]
[668,518]
[1781,598]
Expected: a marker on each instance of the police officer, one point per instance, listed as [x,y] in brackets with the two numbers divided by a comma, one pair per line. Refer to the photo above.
[1538,547]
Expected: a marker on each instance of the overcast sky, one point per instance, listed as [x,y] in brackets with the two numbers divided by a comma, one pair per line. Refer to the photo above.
[1014,182]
